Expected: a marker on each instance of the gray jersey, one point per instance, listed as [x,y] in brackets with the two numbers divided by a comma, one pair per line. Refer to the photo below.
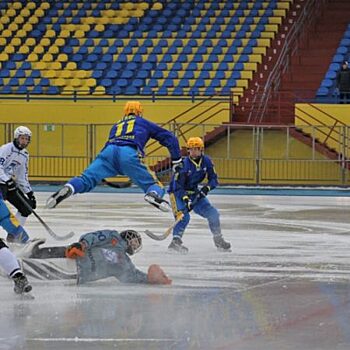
[14,163]
[106,256]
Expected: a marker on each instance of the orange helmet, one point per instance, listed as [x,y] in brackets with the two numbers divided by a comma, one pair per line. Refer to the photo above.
[133,107]
[195,142]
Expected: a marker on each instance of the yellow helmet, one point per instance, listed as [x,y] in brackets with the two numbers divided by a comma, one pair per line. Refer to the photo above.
[133,107]
[195,142]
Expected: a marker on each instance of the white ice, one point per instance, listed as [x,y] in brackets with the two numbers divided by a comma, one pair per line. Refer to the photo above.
[283,286]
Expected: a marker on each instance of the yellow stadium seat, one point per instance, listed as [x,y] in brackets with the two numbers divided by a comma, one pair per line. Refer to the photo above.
[17,5]
[138,13]
[67,90]
[24,49]
[6,33]
[13,27]
[19,19]
[25,12]
[4,57]
[81,74]
[99,27]
[33,20]
[59,82]
[99,90]
[142,6]
[50,33]
[128,6]
[32,57]
[76,82]
[54,49]
[60,42]
[40,65]
[45,5]
[55,65]
[109,13]
[91,82]
[27,27]
[83,90]
[11,12]
[71,66]
[10,49]
[79,34]
[16,41]
[62,57]
[66,74]
[30,41]
[39,12]
[64,33]
[159,6]
[38,49]
[21,33]
[47,57]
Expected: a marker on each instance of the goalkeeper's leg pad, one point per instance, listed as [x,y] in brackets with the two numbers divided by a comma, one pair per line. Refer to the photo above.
[158,202]
[58,197]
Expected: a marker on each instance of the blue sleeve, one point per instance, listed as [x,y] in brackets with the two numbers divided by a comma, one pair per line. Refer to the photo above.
[211,174]
[99,238]
[166,139]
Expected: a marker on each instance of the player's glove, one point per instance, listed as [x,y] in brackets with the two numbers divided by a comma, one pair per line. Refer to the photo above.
[75,250]
[177,165]
[11,185]
[31,199]
[156,275]
[204,191]
[188,202]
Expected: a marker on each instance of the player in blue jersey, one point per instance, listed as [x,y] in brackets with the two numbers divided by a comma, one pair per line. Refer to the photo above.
[98,255]
[8,261]
[122,155]
[185,195]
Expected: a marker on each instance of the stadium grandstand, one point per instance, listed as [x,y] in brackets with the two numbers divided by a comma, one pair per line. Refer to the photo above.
[217,69]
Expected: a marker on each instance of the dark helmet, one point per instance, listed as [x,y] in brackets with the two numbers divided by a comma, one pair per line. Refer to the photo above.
[133,240]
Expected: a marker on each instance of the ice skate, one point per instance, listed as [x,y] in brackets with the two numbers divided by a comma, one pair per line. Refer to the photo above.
[158,202]
[221,244]
[58,197]
[21,283]
[176,246]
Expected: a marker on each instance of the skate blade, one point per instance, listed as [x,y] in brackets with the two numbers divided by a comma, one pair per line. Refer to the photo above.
[224,250]
[163,206]
[177,252]
[51,203]
[25,296]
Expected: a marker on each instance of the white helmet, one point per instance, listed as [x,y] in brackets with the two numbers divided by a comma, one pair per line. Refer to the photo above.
[22,130]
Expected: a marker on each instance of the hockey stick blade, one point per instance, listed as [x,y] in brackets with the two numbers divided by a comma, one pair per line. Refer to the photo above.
[47,228]
[117,184]
[166,233]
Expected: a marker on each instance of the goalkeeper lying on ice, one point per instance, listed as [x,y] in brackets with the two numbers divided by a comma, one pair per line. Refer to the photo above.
[97,255]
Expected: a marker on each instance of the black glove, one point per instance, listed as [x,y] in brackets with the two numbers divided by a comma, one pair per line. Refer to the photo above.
[11,185]
[204,191]
[188,202]
[31,199]
[177,165]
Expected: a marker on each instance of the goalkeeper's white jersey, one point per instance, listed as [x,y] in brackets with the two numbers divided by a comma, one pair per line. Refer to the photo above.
[14,164]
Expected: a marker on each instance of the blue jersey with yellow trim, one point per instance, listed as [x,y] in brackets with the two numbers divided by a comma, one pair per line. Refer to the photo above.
[136,131]
[192,174]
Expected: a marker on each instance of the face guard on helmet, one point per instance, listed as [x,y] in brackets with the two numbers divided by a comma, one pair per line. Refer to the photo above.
[22,136]
[195,147]
[133,107]
[133,240]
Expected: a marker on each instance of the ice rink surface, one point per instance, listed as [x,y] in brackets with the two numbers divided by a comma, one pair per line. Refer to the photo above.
[285,285]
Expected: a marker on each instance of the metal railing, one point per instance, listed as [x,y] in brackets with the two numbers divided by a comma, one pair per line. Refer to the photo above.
[242,154]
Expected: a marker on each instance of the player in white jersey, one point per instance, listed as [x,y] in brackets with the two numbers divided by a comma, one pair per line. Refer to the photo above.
[14,159]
